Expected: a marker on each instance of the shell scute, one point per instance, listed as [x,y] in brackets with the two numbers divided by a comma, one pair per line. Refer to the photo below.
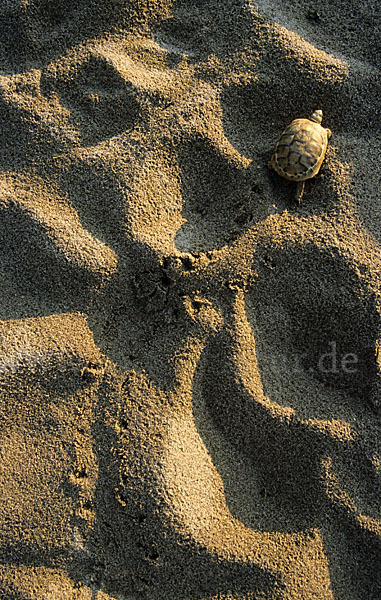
[283,162]
[297,146]
[292,170]
[283,150]
[307,161]
[317,137]
[293,157]
[313,149]
[302,136]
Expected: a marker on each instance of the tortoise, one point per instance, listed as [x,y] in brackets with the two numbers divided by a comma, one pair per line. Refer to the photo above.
[301,150]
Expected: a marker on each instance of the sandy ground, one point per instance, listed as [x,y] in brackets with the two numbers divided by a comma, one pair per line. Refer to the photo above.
[190,362]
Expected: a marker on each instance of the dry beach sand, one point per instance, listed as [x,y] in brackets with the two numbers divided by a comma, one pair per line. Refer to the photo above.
[190,364]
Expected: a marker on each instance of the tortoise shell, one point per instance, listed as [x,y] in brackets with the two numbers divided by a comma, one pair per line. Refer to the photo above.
[301,149]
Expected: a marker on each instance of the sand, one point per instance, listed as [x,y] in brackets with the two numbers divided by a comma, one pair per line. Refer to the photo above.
[190,362]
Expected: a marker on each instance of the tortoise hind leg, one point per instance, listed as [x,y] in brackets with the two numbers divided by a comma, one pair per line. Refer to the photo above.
[299,192]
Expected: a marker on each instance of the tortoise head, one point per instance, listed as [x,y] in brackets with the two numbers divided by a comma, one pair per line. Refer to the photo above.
[317,116]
